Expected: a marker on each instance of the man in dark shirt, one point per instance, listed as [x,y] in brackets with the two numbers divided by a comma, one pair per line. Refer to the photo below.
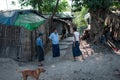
[40,50]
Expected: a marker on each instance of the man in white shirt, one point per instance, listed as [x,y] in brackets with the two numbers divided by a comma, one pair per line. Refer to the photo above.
[77,54]
[54,37]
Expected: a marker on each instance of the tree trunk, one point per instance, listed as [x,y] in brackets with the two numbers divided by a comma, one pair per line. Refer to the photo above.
[103,21]
[51,19]
[97,25]
[113,23]
[40,10]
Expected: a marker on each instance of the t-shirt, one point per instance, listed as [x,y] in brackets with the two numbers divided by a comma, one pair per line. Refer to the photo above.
[54,37]
[77,35]
[39,42]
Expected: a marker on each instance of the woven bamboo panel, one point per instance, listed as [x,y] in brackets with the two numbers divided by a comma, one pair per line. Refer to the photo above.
[19,43]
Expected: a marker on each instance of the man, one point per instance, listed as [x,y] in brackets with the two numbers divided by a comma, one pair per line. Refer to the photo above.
[54,37]
[39,46]
[77,54]
[63,33]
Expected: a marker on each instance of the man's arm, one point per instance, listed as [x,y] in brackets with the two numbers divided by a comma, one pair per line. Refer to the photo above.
[79,38]
[41,43]
[74,39]
[50,42]
[50,38]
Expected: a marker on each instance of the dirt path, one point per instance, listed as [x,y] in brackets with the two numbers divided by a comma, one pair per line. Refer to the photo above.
[101,65]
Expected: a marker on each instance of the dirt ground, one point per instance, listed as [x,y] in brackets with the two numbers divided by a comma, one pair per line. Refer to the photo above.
[101,64]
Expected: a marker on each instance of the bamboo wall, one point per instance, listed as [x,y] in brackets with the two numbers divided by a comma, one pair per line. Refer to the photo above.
[9,41]
[19,43]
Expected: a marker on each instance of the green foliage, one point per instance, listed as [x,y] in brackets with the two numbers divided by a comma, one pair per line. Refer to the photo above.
[98,4]
[63,6]
[45,6]
[93,4]
[48,6]
[79,17]
[115,5]
[76,5]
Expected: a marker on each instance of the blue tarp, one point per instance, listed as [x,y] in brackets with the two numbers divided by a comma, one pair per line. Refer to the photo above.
[10,17]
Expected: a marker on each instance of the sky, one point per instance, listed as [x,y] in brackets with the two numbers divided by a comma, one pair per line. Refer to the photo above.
[6,4]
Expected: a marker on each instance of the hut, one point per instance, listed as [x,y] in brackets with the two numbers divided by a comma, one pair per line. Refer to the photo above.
[61,21]
[18,31]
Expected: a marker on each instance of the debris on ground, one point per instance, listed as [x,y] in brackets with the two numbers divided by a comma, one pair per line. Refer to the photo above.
[101,64]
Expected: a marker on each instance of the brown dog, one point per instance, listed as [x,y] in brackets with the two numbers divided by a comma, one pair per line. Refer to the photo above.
[33,73]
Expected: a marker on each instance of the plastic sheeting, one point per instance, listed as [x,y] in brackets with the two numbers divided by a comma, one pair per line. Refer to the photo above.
[8,17]
[30,21]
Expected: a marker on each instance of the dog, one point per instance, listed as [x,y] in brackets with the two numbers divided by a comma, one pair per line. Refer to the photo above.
[33,73]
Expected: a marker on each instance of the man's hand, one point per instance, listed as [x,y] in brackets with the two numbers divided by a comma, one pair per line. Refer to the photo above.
[50,42]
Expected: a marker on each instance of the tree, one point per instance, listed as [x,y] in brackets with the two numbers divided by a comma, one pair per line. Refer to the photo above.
[45,6]
[54,10]
[116,5]
[76,5]
[79,17]
[99,10]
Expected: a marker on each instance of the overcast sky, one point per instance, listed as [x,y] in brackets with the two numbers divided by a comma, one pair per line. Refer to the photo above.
[6,4]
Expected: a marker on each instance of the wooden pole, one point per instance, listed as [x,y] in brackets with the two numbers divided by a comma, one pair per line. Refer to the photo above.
[54,11]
